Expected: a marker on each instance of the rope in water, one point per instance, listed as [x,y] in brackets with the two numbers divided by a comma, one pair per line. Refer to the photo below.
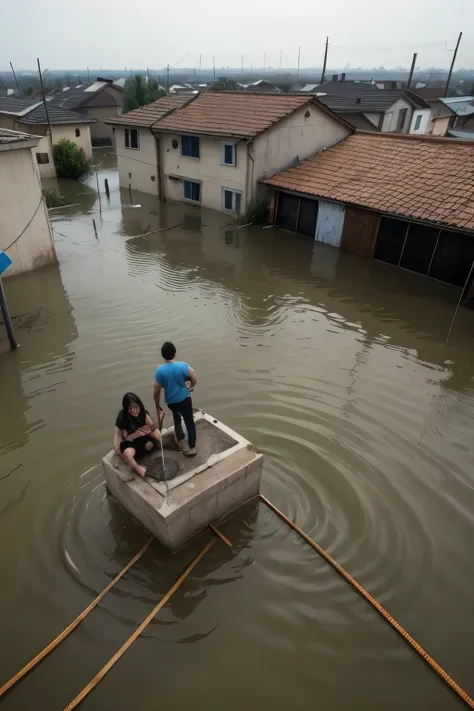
[376,605]
[98,677]
[67,631]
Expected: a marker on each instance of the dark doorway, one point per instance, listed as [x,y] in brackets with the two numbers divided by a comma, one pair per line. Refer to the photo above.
[307,218]
[287,212]
[390,240]
[419,248]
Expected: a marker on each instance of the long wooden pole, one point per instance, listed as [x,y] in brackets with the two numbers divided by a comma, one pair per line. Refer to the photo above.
[14,76]
[67,631]
[323,73]
[98,677]
[412,70]
[448,80]
[376,605]
[44,102]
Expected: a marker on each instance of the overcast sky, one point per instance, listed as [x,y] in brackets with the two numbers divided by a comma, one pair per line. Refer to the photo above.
[140,33]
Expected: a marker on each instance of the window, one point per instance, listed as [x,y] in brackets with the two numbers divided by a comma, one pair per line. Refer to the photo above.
[131,138]
[42,158]
[402,114]
[417,122]
[191,190]
[190,146]
[228,154]
[230,200]
[78,133]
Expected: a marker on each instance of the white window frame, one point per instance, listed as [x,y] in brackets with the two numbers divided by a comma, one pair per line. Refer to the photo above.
[198,182]
[223,147]
[127,134]
[234,194]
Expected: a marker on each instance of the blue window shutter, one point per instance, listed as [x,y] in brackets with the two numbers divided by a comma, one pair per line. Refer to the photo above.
[185,146]
[229,154]
[196,192]
[187,189]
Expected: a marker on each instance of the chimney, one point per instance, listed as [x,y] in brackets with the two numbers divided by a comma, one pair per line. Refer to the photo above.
[343,77]
[334,77]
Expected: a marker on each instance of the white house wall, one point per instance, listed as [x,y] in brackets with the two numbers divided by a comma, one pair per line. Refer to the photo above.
[295,135]
[425,122]
[440,126]
[390,120]
[20,201]
[138,167]
[330,223]
[207,170]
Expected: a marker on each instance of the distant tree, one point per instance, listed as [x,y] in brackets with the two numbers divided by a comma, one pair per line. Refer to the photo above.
[225,85]
[70,160]
[140,92]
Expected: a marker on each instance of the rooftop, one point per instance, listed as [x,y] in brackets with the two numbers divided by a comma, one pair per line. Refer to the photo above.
[73,96]
[146,116]
[238,114]
[461,105]
[8,137]
[342,86]
[378,100]
[32,111]
[423,178]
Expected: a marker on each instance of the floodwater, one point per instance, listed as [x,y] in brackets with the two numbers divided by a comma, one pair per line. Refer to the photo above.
[337,368]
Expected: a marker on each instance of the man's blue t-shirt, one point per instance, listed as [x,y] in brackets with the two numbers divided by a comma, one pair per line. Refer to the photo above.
[171,377]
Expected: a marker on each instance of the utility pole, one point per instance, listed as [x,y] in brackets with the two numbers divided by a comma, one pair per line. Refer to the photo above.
[412,70]
[446,90]
[298,70]
[167,78]
[88,74]
[14,76]
[44,102]
[6,319]
[323,73]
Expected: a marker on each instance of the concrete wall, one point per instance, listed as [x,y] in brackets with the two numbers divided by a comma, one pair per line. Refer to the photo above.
[68,131]
[141,163]
[20,201]
[296,135]
[101,114]
[373,118]
[425,123]
[330,223]
[440,126]
[391,117]
[207,170]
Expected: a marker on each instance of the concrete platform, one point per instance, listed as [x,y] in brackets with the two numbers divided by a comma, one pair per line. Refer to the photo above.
[223,476]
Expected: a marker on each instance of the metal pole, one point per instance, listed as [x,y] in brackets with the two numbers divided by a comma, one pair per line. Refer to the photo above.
[323,73]
[44,102]
[446,90]
[298,70]
[14,76]
[6,319]
[412,70]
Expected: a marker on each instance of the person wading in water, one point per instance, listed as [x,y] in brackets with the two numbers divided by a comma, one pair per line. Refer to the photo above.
[176,378]
[135,432]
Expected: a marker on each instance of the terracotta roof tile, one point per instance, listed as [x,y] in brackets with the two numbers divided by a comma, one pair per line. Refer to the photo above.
[147,115]
[430,179]
[234,114]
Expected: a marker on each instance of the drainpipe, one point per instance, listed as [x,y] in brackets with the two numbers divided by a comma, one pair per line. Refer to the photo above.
[250,159]
[158,166]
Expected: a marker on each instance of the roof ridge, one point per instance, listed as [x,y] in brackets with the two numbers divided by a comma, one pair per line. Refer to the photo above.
[414,137]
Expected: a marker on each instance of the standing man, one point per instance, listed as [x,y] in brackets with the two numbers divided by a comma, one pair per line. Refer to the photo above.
[177,378]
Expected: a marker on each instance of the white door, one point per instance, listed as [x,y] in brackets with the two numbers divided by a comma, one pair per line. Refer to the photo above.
[330,223]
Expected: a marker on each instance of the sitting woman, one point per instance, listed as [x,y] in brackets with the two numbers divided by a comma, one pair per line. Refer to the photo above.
[135,432]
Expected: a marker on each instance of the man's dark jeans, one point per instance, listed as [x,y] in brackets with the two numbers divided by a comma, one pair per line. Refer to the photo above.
[184,409]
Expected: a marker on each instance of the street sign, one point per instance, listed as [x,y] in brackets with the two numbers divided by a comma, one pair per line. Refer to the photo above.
[5,261]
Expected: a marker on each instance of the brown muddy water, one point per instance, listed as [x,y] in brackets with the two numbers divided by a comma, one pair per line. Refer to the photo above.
[338,369]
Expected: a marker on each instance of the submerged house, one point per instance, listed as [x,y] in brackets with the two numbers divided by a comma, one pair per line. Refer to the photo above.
[97,101]
[405,200]
[29,116]
[385,110]
[213,149]
[25,230]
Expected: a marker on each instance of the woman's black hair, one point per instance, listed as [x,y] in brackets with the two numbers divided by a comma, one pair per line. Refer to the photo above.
[130,399]
[131,424]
